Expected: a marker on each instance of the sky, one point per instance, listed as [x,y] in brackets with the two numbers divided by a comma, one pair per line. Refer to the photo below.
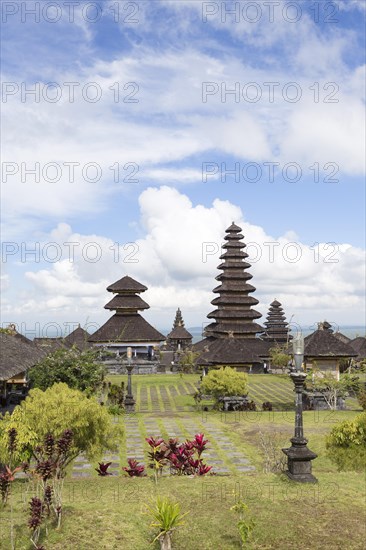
[134,133]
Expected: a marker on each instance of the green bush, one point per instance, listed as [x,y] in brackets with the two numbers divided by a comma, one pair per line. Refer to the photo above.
[53,411]
[362,399]
[346,444]
[225,382]
[78,369]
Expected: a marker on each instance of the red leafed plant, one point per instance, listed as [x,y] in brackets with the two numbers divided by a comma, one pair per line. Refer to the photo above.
[6,477]
[199,443]
[158,454]
[183,458]
[103,469]
[135,469]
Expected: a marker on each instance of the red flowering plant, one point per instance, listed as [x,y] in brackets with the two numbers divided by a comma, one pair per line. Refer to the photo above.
[199,443]
[8,471]
[103,469]
[157,454]
[52,458]
[134,469]
[183,458]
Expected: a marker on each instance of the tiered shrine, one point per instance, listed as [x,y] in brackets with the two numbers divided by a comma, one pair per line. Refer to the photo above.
[127,328]
[277,329]
[233,337]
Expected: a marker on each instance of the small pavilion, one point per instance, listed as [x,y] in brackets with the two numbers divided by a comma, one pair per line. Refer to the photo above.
[179,338]
[325,350]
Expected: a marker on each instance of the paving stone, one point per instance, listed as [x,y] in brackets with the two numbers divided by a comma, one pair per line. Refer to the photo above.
[80,474]
[245,468]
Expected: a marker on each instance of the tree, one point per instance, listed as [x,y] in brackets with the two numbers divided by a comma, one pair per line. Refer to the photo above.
[187,360]
[224,382]
[55,410]
[331,388]
[279,358]
[346,444]
[78,369]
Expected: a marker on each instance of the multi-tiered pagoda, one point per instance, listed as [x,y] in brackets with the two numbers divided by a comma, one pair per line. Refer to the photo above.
[231,339]
[179,338]
[277,329]
[127,328]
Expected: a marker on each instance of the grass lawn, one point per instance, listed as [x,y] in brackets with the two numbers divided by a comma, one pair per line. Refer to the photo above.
[108,513]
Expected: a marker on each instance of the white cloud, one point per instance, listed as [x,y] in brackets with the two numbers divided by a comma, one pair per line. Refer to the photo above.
[324,281]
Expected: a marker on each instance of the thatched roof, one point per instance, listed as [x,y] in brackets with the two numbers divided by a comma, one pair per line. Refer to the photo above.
[131,301]
[49,345]
[126,329]
[232,351]
[126,284]
[323,343]
[17,354]
[79,338]
[179,333]
[359,346]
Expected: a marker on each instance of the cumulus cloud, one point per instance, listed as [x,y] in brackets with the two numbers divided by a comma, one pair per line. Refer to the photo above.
[177,257]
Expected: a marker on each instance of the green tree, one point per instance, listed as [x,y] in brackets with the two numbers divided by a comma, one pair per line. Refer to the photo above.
[78,369]
[331,388]
[346,444]
[279,357]
[187,360]
[224,382]
[53,411]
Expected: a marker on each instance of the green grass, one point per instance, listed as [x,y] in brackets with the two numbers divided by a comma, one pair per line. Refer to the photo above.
[107,513]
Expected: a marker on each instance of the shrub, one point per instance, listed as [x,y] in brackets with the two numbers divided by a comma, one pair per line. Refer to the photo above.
[346,444]
[225,382]
[166,516]
[55,410]
[78,369]
[362,399]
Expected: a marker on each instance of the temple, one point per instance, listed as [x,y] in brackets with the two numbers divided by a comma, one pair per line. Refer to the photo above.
[277,329]
[179,338]
[127,328]
[232,338]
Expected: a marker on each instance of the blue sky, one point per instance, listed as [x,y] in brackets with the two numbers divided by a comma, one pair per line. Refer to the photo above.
[163,117]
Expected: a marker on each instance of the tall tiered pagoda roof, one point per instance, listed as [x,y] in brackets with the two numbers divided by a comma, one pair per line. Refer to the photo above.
[234,313]
[127,326]
[276,325]
[231,339]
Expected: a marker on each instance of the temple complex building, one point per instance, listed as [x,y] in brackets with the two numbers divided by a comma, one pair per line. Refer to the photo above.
[179,338]
[233,337]
[323,350]
[277,329]
[127,328]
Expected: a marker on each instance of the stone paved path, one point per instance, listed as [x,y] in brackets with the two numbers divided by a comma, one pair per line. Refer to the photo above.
[221,452]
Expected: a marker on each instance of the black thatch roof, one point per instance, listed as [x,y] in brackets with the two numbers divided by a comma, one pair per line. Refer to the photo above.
[131,301]
[17,354]
[359,346]
[276,325]
[49,345]
[232,351]
[179,333]
[79,338]
[323,343]
[342,337]
[126,329]
[126,284]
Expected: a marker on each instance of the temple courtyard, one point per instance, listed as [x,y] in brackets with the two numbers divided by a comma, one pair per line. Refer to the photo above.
[329,514]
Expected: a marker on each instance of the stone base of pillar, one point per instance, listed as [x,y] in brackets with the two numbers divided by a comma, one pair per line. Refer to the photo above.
[129,404]
[299,459]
